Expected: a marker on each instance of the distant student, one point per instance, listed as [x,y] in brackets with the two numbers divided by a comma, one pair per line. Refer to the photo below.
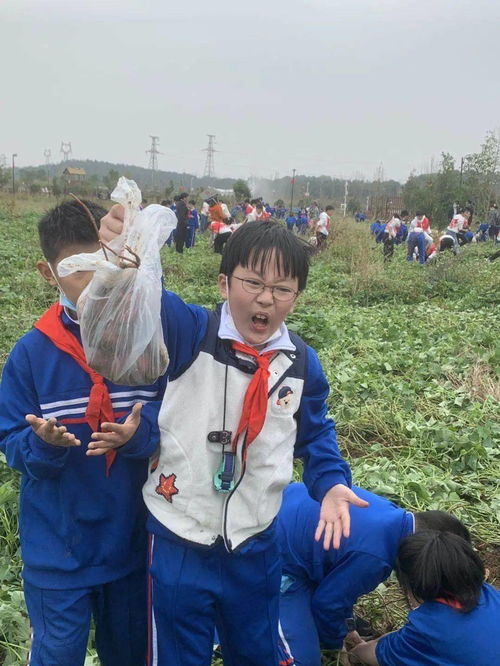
[225,210]
[193,224]
[391,231]
[457,615]
[221,233]
[291,221]
[457,224]
[493,222]
[204,221]
[447,241]
[182,213]
[482,233]
[323,226]
[320,588]
[402,233]
[431,248]
[375,228]
[416,239]
[303,222]
[215,213]
[82,519]
[420,221]
[261,215]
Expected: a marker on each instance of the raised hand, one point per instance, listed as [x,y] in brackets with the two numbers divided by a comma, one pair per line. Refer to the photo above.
[112,223]
[114,435]
[50,432]
[334,518]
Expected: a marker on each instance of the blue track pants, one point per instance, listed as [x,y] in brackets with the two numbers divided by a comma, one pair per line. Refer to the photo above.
[416,240]
[193,590]
[60,621]
[297,622]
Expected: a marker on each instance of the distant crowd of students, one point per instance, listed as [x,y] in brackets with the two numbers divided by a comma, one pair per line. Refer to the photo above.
[215,215]
[423,244]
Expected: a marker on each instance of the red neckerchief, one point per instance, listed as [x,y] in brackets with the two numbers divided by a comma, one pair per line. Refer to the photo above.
[99,408]
[255,401]
[450,602]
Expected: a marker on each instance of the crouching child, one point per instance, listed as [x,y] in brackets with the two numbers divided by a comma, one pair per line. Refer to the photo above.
[456,614]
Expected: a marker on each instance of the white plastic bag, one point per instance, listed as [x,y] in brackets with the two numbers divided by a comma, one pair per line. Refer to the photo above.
[119,311]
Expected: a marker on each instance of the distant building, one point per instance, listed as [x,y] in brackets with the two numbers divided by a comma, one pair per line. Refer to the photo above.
[72,175]
[211,191]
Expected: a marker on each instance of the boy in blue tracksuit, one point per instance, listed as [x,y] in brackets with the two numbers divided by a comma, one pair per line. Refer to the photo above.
[455,616]
[291,221]
[376,230]
[216,485]
[82,521]
[320,588]
[192,224]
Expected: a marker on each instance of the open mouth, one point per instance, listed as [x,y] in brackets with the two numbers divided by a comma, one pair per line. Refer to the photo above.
[260,321]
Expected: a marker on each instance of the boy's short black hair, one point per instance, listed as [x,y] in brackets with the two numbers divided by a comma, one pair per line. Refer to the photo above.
[418,213]
[329,207]
[253,244]
[68,224]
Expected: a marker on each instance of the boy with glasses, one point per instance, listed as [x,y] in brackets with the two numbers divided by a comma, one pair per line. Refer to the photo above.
[216,485]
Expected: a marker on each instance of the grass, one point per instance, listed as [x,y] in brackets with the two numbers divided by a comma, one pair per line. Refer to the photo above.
[412,356]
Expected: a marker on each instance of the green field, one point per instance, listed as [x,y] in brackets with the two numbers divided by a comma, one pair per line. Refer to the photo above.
[412,355]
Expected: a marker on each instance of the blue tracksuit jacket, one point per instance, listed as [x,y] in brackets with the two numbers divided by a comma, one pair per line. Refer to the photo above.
[339,577]
[78,527]
[437,635]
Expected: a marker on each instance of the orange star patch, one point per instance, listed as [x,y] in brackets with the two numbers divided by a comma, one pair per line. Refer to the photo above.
[166,487]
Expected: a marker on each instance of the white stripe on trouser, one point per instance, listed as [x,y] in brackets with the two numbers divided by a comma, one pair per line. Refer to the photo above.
[31,647]
[284,641]
[154,640]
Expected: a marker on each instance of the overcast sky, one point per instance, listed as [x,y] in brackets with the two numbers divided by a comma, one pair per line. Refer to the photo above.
[324,86]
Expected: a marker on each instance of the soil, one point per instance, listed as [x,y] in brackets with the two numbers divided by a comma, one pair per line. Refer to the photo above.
[490,554]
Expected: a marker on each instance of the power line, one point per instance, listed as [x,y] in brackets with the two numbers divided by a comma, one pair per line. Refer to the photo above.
[209,169]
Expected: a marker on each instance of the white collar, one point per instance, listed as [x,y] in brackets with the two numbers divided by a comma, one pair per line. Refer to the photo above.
[280,339]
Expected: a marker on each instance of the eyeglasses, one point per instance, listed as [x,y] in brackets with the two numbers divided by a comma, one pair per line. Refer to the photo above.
[252,286]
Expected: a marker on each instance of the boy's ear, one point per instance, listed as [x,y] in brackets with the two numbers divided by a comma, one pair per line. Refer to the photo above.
[44,270]
[222,282]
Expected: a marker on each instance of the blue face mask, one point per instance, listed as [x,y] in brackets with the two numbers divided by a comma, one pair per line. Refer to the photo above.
[65,302]
[63,299]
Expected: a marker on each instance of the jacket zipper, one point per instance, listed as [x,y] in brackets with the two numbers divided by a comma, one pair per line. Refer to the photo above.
[227,543]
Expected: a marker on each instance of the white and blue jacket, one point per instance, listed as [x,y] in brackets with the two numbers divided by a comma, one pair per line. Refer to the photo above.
[204,395]
[78,527]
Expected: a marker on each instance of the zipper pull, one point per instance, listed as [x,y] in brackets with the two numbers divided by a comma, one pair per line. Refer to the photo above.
[224,476]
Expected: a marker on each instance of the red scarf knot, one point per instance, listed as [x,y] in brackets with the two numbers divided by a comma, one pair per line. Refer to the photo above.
[100,408]
[256,397]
